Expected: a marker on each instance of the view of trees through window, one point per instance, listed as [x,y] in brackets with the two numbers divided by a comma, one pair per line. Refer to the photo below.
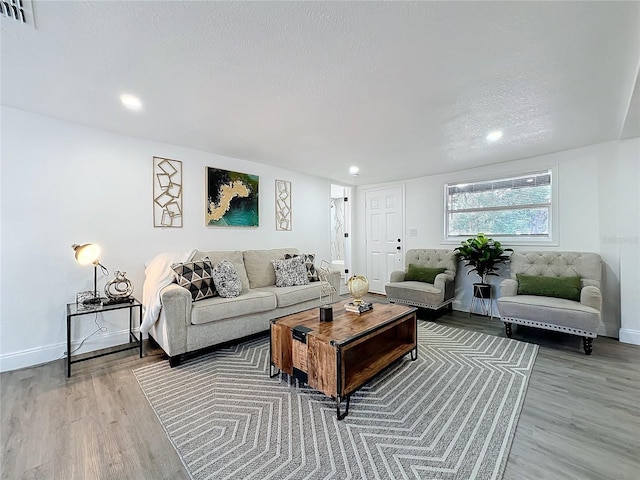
[516,206]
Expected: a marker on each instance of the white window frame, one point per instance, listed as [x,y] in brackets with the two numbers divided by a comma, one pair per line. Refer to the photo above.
[550,240]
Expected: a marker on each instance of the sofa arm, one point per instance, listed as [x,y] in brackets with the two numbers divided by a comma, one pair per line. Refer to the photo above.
[441,281]
[591,297]
[176,302]
[176,305]
[397,276]
[176,314]
[509,288]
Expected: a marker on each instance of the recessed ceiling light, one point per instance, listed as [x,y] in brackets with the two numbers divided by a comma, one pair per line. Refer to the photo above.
[494,136]
[131,101]
[354,171]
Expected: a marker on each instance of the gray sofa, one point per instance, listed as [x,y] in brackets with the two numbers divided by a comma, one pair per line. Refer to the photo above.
[186,326]
[560,314]
[434,295]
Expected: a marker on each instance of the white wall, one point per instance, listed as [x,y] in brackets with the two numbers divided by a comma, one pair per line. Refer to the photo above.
[585,206]
[63,183]
[625,201]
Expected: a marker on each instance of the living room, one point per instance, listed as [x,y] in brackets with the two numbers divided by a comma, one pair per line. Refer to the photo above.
[66,179]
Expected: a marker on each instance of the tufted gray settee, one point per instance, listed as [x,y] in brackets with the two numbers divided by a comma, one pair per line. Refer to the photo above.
[419,294]
[576,317]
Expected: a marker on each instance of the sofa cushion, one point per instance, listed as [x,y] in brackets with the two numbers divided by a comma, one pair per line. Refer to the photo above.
[558,311]
[287,296]
[290,272]
[226,279]
[197,277]
[233,256]
[415,292]
[559,287]
[220,308]
[309,259]
[423,274]
[259,268]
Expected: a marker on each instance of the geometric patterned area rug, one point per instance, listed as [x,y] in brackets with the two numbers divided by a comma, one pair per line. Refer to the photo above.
[451,414]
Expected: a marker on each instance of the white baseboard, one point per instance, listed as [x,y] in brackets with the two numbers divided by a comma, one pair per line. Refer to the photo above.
[608,331]
[629,336]
[464,307]
[49,353]
[457,305]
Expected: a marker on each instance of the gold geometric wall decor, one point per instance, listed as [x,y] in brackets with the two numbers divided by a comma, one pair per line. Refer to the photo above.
[283,205]
[167,192]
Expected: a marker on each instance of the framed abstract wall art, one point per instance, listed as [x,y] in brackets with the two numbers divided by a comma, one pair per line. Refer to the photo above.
[167,192]
[231,198]
[283,205]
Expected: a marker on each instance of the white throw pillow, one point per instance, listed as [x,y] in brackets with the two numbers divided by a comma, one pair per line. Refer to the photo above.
[226,280]
[290,272]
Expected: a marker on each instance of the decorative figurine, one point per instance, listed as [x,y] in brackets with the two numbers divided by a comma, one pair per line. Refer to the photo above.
[119,288]
[326,291]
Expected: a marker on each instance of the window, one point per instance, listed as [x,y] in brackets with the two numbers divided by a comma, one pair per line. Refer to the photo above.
[519,207]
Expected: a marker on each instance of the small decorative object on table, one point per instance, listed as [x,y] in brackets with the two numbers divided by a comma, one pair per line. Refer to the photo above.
[118,289]
[358,287]
[326,289]
[84,300]
[358,308]
[326,313]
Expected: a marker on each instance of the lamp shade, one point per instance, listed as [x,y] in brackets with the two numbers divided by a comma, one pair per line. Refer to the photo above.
[87,254]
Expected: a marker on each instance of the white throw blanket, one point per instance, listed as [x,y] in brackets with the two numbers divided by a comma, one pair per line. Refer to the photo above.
[158,275]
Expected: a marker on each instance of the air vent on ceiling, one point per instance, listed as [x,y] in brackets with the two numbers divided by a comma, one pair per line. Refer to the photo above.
[19,10]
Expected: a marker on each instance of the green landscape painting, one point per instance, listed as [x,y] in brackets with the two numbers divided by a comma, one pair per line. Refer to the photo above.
[232,199]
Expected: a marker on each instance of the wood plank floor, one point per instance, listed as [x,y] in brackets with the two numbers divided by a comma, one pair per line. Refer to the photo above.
[580,419]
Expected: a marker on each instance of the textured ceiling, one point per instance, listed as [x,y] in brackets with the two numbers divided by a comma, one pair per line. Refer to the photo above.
[399,89]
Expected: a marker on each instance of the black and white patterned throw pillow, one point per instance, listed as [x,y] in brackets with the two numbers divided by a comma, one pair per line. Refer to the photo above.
[197,277]
[226,280]
[290,272]
[309,259]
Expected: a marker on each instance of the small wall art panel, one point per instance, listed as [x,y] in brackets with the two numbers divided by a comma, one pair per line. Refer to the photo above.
[231,198]
[283,205]
[167,192]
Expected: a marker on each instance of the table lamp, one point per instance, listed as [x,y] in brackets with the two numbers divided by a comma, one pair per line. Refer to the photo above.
[88,254]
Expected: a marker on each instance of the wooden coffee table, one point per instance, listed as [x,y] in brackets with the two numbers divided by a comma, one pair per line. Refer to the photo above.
[336,358]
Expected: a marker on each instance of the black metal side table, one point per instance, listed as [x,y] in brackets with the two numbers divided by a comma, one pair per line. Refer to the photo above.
[75,310]
[483,296]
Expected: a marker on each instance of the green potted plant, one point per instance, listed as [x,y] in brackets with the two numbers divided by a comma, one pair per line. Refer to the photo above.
[484,256]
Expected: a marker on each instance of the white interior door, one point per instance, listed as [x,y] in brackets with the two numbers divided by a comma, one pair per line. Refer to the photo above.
[384,217]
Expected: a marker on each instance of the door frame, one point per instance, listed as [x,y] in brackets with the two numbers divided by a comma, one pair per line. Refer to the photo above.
[402,187]
[348,192]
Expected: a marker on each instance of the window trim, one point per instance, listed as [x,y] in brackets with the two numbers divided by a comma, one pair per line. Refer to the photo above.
[550,240]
